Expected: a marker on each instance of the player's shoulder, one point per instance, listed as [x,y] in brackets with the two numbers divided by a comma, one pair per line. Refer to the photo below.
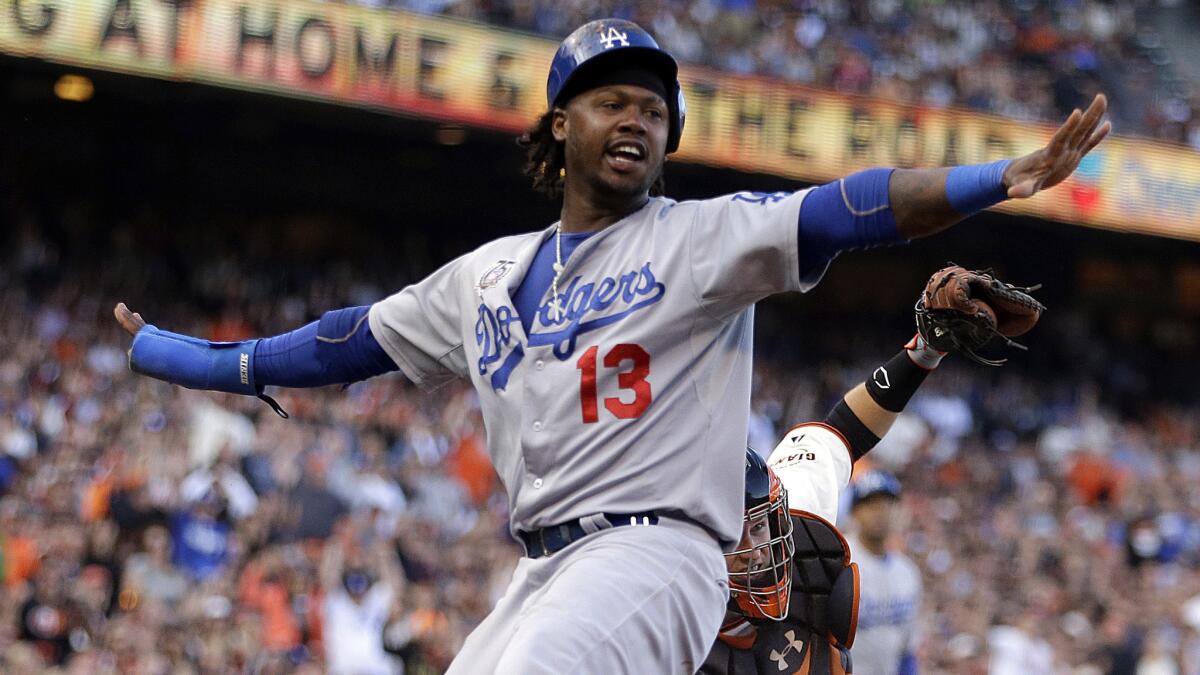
[746,198]
[495,258]
[665,210]
[511,242]
[664,215]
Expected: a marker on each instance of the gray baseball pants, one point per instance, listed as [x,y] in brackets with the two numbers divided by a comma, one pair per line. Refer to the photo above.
[638,600]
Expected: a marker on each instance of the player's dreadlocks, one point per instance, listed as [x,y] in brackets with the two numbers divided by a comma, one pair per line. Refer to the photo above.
[546,158]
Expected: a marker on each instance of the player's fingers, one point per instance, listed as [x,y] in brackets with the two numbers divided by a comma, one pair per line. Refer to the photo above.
[1097,136]
[121,313]
[1059,140]
[132,322]
[1089,121]
[1096,110]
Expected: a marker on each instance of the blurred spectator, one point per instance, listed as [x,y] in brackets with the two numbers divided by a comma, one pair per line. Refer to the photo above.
[150,576]
[1019,649]
[360,587]
[202,537]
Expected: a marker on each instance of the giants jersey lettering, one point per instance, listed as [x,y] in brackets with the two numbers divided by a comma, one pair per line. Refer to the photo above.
[636,396]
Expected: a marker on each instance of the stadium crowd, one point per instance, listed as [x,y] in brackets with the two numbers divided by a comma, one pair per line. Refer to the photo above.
[149,529]
[1027,60]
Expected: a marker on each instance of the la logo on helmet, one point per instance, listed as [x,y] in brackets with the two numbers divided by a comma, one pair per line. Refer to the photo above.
[613,36]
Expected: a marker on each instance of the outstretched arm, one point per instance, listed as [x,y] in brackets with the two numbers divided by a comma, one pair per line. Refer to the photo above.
[887,206]
[866,412]
[927,201]
[338,348]
[959,311]
[815,459]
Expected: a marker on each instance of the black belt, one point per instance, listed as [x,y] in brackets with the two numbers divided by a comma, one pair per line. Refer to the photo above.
[555,538]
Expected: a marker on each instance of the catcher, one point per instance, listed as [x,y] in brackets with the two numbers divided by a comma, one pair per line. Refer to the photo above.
[793,604]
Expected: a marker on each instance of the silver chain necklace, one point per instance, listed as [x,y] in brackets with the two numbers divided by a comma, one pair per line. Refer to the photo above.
[556,307]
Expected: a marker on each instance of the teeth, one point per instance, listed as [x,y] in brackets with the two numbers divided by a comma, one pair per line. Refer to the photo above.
[629,150]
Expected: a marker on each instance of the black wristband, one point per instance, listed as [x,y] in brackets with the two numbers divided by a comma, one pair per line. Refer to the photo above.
[860,438]
[895,382]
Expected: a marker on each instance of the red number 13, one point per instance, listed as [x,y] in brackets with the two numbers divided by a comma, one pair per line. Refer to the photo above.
[634,379]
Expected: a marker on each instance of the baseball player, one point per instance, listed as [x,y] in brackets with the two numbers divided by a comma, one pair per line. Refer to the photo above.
[796,605]
[891,591]
[611,352]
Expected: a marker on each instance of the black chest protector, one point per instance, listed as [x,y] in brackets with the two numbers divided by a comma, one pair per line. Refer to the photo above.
[816,636]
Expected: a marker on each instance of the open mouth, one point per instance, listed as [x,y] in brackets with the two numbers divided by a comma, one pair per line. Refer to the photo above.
[625,156]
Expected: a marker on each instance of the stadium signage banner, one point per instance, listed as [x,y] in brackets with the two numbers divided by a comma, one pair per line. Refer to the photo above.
[476,75]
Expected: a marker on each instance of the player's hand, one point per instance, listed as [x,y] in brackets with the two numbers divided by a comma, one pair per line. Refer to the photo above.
[131,321]
[1049,166]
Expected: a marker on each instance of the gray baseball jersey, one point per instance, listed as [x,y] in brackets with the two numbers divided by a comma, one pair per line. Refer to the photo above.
[889,602]
[637,397]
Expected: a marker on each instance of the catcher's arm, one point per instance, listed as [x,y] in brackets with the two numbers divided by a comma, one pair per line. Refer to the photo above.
[815,471]
[866,412]
[926,201]
[969,309]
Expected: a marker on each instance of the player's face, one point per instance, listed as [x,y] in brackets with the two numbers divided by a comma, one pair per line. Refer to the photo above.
[616,139]
[755,534]
[874,517]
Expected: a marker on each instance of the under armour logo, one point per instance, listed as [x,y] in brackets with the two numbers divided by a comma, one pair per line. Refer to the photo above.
[793,643]
[612,37]
[881,378]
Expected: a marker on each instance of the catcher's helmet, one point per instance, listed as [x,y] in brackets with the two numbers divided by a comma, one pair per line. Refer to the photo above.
[612,43]
[872,483]
[761,588]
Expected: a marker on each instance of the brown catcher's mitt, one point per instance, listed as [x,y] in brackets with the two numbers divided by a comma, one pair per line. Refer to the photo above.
[962,310]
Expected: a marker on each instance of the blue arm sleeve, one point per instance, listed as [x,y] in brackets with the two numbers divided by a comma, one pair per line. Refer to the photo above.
[975,187]
[908,664]
[336,349]
[192,362]
[849,213]
[339,348]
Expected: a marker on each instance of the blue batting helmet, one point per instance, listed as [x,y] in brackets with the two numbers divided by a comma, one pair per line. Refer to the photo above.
[871,483]
[615,42]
